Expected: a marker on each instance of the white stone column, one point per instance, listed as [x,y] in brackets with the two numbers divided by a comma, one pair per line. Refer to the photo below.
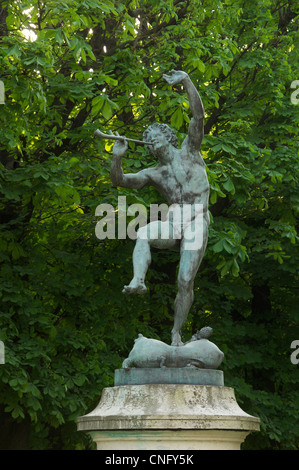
[168,417]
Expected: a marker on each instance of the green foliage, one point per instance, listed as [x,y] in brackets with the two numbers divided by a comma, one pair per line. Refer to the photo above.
[71,67]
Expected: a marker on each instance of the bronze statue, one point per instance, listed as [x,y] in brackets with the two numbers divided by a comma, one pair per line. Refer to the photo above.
[181,178]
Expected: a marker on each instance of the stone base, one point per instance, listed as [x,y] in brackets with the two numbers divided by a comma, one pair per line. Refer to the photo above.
[168,417]
[185,375]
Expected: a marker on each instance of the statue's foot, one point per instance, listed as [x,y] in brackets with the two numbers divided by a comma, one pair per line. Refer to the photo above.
[176,340]
[135,288]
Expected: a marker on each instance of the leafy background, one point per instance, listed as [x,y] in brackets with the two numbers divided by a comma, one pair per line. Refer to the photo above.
[70,67]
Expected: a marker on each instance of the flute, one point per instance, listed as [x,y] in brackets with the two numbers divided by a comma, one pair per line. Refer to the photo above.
[101,135]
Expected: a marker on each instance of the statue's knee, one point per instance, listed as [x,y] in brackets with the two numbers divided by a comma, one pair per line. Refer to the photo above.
[185,284]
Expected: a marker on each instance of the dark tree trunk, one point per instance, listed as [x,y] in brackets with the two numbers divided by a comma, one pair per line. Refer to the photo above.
[13,435]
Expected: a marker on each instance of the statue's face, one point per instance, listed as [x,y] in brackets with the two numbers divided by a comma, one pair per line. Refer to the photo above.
[158,139]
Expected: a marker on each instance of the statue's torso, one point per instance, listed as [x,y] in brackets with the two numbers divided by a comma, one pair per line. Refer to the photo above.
[183,180]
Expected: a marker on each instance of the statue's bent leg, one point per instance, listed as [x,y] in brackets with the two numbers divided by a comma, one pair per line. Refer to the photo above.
[153,234]
[141,262]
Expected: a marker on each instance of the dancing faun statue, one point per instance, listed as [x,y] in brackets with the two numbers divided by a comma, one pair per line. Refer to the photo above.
[181,178]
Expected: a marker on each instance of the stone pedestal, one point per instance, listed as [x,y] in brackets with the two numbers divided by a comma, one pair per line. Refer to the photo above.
[168,417]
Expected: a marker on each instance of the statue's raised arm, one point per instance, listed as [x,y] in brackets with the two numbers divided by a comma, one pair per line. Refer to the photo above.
[196,126]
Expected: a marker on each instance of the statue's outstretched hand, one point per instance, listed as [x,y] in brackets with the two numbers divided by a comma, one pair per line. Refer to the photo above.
[175,76]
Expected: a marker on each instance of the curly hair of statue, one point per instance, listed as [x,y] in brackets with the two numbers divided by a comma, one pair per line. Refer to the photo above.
[167,131]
